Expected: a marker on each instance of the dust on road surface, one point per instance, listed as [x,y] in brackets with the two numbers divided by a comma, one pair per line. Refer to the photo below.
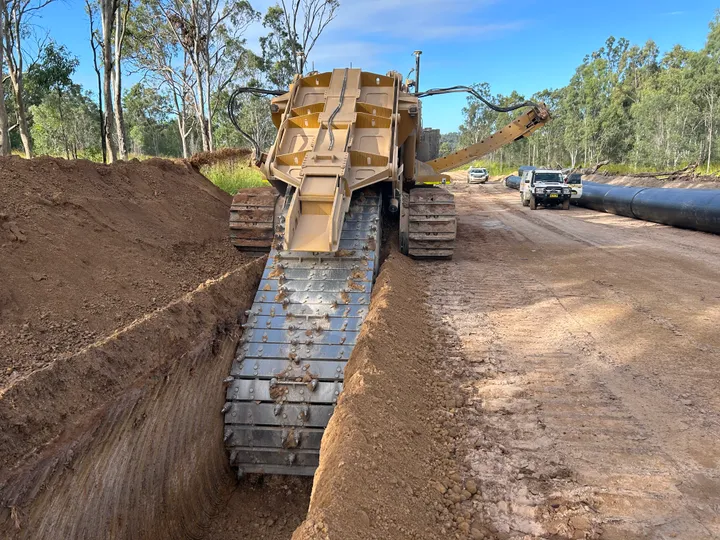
[587,346]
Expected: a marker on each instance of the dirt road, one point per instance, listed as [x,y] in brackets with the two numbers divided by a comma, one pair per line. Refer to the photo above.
[587,345]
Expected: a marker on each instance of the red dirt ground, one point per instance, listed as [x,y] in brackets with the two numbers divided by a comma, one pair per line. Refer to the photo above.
[87,248]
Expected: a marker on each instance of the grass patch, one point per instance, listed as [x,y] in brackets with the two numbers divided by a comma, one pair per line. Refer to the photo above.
[232,177]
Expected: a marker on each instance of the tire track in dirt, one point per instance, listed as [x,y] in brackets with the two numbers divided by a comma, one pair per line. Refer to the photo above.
[566,435]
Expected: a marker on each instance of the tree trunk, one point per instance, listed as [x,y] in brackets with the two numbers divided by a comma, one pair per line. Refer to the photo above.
[201,116]
[103,139]
[200,105]
[211,145]
[119,118]
[93,45]
[4,133]
[183,135]
[62,125]
[711,99]
[107,11]
[18,92]
[13,46]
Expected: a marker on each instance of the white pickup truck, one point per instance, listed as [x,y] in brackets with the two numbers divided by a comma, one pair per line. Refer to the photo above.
[544,187]
[574,180]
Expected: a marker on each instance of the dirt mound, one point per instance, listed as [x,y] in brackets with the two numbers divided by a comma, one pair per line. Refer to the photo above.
[385,448]
[87,248]
[202,159]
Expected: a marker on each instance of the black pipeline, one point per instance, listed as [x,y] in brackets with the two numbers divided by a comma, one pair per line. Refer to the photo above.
[512,181]
[696,209]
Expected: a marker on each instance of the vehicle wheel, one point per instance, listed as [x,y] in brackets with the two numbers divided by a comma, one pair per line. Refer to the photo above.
[533,203]
[524,202]
[566,204]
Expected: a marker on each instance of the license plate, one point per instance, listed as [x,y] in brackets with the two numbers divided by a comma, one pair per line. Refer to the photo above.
[553,195]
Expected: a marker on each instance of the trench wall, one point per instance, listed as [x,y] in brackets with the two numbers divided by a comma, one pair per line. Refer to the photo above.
[124,439]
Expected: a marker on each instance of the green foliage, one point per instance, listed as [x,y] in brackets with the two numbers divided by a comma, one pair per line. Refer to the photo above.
[253,116]
[232,177]
[150,128]
[65,124]
[278,63]
[52,72]
[625,103]
[449,142]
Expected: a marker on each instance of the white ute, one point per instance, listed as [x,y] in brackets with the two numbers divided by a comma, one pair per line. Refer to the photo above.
[477,175]
[544,187]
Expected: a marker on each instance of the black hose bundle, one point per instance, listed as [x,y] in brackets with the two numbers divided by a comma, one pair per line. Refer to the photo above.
[234,108]
[473,92]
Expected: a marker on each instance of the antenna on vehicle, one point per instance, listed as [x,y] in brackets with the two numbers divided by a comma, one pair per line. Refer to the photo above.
[417,71]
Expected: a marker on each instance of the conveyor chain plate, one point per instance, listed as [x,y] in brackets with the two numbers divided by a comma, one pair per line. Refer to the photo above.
[302,327]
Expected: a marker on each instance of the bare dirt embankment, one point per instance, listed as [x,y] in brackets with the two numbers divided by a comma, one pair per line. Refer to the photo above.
[87,248]
[114,347]
[387,464]
[124,438]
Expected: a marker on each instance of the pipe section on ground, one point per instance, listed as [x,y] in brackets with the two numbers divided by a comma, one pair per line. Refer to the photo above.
[696,209]
[512,181]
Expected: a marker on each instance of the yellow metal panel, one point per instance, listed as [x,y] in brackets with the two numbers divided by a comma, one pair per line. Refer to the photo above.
[317,208]
[363,107]
[374,110]
[311,233]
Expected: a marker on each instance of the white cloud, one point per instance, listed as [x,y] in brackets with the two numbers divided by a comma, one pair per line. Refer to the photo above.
[366,54]
[368,33]
[471,32]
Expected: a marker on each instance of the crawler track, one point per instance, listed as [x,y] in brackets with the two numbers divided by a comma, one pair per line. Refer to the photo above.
[300,332]
[428,223]
[252,219]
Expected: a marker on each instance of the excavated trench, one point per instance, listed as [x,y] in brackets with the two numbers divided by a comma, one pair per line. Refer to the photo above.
[113,350]
[124,438]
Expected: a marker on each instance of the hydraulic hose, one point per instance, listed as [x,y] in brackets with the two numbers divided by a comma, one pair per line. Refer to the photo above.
[474,93]
[234,109]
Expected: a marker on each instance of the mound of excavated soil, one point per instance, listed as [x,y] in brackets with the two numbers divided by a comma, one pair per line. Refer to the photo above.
[386,462]
[201,159]
[87,248]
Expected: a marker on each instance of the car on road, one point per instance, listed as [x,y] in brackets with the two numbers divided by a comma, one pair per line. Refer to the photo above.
[574,180]
[544,187]
[477,175]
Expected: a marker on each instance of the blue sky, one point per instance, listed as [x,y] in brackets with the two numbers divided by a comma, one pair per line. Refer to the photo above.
[523,45]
